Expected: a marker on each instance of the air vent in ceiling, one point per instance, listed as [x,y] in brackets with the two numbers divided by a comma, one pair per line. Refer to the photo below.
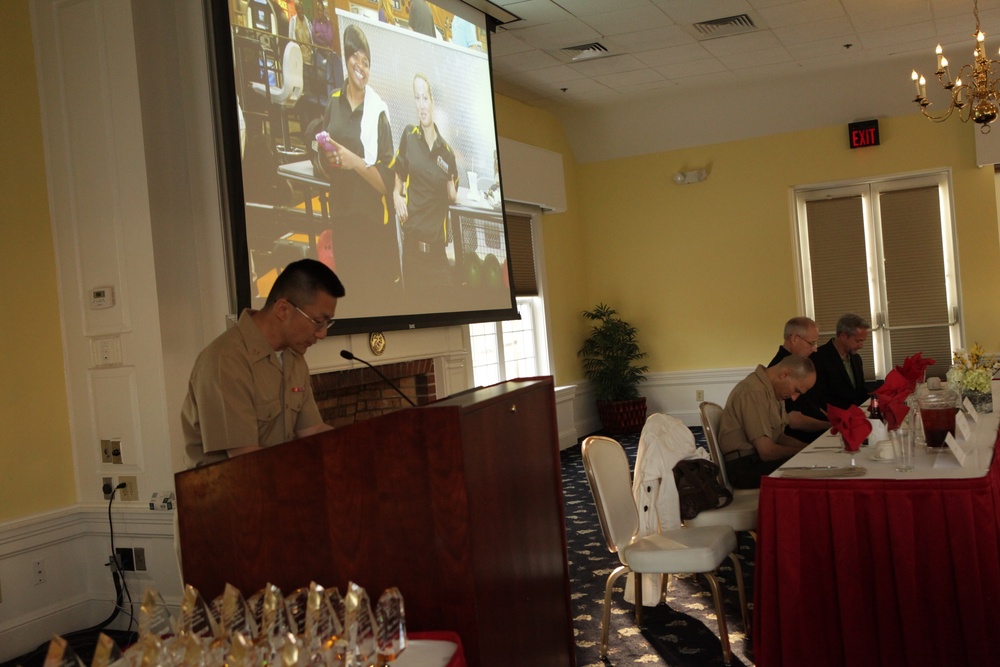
[724,27]
[587,51]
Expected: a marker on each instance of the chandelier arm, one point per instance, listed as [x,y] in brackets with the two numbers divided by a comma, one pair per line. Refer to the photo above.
[975,92]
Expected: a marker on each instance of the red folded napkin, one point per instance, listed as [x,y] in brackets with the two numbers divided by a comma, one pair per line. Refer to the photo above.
[851,424]
[894,413]
[892,396]
[913,368]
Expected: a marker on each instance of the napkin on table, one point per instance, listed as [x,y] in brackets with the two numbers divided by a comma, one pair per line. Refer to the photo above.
[892,397]
[852,425]
[820,473]
[913,368]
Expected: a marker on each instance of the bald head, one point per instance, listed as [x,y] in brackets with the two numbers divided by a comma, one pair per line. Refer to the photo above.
[792,376]
[801,336]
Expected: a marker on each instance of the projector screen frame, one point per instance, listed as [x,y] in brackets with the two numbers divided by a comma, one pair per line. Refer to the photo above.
[233,202]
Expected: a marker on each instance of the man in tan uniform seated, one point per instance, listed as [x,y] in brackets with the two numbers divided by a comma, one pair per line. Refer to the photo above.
[752,430]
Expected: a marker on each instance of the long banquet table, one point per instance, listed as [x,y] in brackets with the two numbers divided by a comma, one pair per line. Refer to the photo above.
[886,569]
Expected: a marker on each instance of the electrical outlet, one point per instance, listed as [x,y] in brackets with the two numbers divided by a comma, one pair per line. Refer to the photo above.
[106,451]
[131,490]
[38,571]
[108,487]
[699,395]
[126,559]
[140,558]
[116,451]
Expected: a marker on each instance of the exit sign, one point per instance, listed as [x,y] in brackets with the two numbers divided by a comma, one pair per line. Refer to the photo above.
[863,134]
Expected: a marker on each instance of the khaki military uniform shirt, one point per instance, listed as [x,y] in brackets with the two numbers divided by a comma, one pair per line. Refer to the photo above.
[752,410]
[241,395]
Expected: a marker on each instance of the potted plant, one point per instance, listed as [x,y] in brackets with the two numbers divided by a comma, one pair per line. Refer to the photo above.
[610,362]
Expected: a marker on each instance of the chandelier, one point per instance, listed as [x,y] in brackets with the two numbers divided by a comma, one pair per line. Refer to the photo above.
[974,99]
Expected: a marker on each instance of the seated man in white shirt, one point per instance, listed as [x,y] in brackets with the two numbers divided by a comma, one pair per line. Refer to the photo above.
[752,430]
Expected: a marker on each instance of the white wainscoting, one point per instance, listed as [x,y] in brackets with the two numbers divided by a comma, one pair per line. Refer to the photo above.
[673,393]
[78,592]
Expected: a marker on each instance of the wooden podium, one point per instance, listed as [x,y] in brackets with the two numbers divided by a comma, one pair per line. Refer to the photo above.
[458,504]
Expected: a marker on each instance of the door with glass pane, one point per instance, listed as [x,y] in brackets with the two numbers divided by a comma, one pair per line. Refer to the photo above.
[884,250]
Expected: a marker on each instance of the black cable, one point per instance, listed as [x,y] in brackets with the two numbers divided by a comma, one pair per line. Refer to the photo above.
[119,580]
[117,565]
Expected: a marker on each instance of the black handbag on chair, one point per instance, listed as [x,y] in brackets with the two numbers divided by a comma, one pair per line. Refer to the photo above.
[699,487]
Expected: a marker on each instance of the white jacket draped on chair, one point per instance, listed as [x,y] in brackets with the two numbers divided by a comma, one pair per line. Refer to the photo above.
[664,441]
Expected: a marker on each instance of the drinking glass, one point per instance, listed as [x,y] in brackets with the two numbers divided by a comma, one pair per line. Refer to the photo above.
[902,448]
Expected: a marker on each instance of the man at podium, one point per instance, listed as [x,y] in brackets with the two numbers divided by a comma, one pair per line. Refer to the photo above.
[250,387]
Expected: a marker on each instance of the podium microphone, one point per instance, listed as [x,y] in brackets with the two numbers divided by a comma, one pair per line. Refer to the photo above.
[346,354]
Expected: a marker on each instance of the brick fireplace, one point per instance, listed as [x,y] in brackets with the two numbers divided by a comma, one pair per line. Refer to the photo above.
[345,397]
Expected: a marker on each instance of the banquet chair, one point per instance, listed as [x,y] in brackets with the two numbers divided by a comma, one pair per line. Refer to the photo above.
[685,550]
[741,514]
[287,94]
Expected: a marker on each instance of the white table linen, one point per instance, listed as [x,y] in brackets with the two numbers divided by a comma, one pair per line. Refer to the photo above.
[827,451]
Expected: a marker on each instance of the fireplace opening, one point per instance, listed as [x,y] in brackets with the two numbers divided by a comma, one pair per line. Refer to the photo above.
[353,395]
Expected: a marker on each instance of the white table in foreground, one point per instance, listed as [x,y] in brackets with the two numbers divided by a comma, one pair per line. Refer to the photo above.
[827,451]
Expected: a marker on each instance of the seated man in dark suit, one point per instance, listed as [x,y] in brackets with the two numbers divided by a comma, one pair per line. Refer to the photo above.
[801,337]
[840,375]
[752,429]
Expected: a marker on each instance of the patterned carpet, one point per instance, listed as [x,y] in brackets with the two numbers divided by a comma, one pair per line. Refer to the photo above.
[681,633]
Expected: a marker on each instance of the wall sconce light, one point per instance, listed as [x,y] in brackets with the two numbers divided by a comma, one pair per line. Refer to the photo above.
[687,177]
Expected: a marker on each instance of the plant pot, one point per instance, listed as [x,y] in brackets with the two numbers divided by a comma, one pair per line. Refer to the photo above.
[620,417]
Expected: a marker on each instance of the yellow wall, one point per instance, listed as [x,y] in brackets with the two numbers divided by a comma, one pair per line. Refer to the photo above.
[566,294]
[706,271]
[35,455]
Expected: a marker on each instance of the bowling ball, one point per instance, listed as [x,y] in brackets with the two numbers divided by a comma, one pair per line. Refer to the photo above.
[473,269]
[491,271]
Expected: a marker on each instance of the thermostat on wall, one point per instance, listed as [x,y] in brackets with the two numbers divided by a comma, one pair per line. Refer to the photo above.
[102,297]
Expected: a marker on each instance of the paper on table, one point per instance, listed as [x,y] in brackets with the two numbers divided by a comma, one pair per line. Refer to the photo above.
[971,409]
[879,432]
[962,425]
[956,449]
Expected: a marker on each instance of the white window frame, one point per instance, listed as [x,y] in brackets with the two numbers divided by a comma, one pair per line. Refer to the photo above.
[541,338]
[868,191]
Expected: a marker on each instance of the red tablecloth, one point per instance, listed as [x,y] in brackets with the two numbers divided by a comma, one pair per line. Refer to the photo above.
[878,572]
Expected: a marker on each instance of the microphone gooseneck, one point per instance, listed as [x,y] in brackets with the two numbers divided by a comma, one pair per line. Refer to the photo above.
[346,354]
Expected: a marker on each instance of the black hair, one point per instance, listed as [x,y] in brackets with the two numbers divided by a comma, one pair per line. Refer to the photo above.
[354,41]
[301,280]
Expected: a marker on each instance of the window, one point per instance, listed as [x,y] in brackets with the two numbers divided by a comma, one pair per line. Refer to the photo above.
[515,348]
[886,251]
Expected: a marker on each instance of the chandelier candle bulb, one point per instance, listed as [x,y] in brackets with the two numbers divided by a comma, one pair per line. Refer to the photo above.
[975,101]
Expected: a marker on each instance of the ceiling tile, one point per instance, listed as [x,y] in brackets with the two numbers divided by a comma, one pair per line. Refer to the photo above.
[674,55]
[599,66]
[623,21]
[800,13]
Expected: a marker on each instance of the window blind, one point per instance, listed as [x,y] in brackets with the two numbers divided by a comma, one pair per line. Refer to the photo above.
[521,254]
[838,266]
[916,294]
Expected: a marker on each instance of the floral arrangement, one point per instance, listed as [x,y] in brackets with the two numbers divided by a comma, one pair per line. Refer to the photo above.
[973,370]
